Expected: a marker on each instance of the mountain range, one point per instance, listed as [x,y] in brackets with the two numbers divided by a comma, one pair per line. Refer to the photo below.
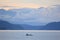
[4,25]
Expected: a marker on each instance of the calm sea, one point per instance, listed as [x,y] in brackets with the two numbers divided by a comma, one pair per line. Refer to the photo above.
[36,35]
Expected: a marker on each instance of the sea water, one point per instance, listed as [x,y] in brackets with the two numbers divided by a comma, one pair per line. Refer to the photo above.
[21,35]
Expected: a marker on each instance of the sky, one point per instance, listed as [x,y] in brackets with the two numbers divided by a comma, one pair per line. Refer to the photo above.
[31,11]
[8,4]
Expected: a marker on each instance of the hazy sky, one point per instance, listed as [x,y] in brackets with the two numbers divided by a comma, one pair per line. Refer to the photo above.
[29,15]
[28,3]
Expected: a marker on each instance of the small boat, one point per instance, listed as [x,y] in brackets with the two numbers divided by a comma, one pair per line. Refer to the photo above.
[28,34]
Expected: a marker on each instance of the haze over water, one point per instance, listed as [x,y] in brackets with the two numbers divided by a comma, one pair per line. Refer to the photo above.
[21,35]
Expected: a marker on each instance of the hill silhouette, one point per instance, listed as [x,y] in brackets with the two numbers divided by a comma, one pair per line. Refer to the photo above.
[52,26]
[4,25]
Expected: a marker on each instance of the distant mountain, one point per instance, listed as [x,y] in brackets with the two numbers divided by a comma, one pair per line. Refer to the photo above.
[49,26]
[52,26]
[30,27]
[4,25]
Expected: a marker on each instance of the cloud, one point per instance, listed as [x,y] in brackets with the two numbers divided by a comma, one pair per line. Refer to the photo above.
[20,5]
[40,2]
[5,16]
[39,16]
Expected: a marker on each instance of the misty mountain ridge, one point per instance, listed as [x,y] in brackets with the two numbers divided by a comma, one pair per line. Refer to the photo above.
[4,25]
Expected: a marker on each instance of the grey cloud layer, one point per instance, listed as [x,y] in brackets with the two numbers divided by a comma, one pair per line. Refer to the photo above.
[34,16]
